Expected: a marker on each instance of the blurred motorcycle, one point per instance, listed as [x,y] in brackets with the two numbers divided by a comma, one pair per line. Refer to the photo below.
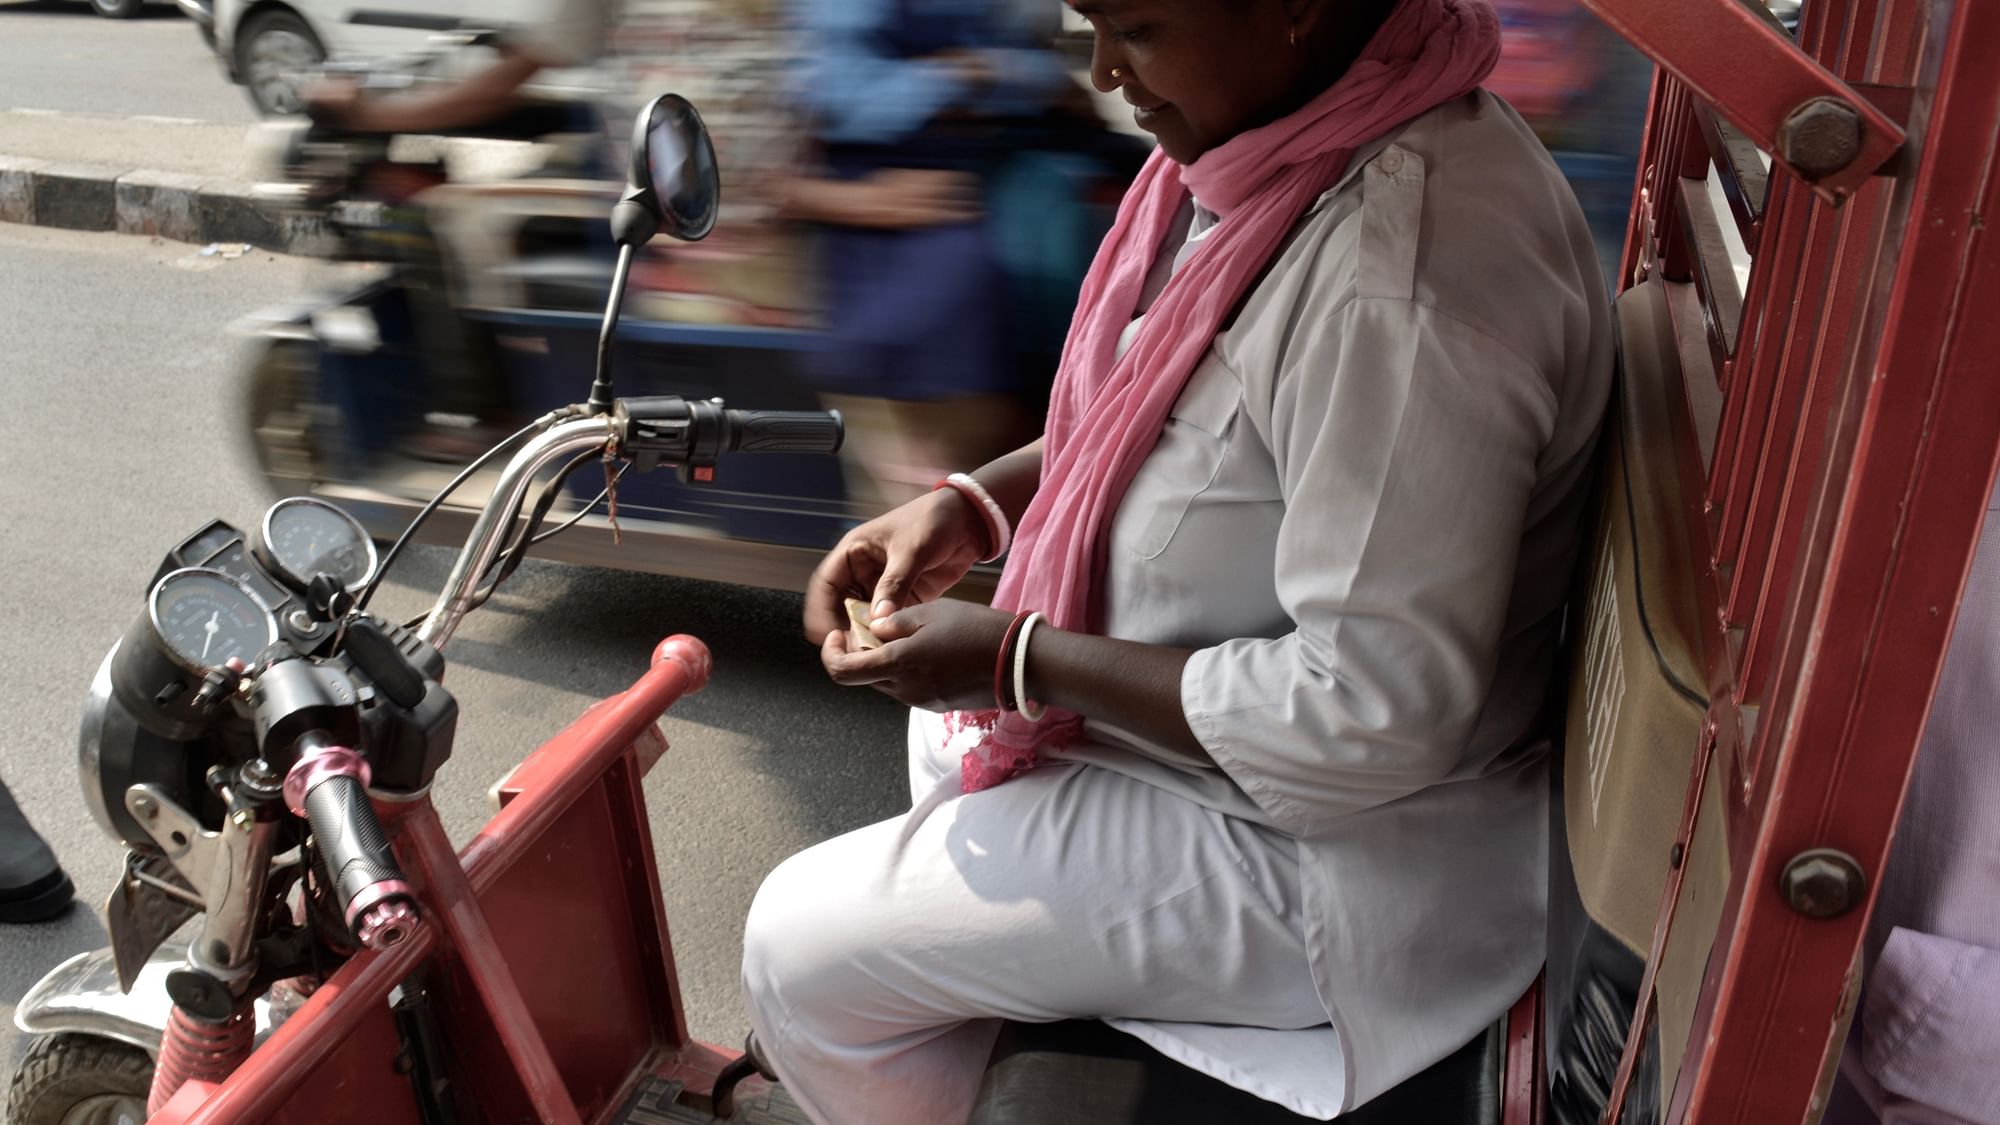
[455,312]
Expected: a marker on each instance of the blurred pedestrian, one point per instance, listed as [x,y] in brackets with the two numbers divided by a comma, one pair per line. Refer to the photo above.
[33,887]
[928,115]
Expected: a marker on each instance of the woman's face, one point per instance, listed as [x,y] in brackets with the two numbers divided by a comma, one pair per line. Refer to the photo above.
[1198,72]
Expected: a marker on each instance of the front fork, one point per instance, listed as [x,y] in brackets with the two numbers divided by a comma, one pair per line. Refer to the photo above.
[210,1030]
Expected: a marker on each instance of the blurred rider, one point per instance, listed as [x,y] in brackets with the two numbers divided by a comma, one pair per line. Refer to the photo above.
[573,34]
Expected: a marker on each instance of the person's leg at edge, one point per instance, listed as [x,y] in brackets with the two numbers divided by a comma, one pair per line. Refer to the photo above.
[33,887]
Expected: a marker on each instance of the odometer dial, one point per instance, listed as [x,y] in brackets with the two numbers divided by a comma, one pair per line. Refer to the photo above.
[204,619]
[303,537]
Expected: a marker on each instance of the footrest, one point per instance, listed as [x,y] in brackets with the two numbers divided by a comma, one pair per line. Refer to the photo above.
[657,1102]
[1084,1072]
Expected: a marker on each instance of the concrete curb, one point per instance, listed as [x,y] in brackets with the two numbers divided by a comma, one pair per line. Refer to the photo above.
[170,205]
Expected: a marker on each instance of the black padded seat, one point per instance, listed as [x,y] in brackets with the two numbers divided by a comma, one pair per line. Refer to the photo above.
[1083,1072]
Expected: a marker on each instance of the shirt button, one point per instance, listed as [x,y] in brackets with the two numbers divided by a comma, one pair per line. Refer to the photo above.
[1390,162]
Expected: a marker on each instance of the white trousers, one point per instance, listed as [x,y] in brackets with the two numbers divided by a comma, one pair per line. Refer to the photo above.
[876,981]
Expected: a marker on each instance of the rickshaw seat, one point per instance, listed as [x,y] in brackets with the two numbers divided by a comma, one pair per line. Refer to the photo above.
[1085,1072]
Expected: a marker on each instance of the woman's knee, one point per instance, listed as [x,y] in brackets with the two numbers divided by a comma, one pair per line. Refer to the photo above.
[808,935]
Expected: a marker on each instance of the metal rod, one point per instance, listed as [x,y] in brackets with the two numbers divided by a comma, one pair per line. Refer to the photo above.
[600,390]
[502,507]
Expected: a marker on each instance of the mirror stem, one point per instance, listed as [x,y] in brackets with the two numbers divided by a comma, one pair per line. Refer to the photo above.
[600,391]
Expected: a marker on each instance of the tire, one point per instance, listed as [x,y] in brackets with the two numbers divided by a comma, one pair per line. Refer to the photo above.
[80,1080]
[275,50]
[277,415]
[117,9]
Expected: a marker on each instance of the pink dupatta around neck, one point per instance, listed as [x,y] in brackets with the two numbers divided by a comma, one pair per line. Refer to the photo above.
[1106,412]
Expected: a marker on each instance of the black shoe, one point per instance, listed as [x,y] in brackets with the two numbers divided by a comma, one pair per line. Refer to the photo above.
[33,887]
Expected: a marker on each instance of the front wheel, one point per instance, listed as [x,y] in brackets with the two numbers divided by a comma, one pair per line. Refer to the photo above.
[80,1080]
[117,9]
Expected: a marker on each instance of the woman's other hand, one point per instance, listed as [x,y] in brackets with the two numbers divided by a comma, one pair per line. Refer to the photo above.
[904,557]
[938,656]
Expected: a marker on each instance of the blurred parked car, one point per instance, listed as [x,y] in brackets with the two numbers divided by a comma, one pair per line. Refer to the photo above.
[271,48]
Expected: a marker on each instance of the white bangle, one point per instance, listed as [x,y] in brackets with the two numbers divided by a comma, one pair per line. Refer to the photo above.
[1003,532]
[1030,710]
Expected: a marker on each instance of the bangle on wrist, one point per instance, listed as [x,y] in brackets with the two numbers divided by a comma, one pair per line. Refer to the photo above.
[1002,662]
[999,533]
[1030,710]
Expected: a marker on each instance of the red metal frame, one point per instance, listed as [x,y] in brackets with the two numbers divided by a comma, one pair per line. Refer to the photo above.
[1857,436]
[1750,73]
[547,935]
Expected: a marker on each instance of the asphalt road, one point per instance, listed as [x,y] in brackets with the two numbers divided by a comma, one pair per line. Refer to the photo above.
[58,54]
[116,390]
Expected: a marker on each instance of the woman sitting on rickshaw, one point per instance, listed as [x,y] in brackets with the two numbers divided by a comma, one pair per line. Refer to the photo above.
[1245,759]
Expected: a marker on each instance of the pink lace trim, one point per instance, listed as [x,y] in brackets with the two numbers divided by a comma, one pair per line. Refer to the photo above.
[992,750]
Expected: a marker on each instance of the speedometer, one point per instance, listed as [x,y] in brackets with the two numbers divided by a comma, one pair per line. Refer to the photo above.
[303,537]
[204,619]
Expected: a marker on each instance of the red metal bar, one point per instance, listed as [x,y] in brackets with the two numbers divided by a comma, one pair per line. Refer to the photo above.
[680,666]
[1755,523]
[1838,339]
[302,1044]
[1898,51]
[1738,450]
[1639,228]
[1909,506]
[1795,428]
[1522,1092]
[1748,69]
[643,884]
[451,903]
[1783,259]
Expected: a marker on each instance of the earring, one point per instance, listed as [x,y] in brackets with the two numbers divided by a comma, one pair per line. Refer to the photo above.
[1117,73]
[1293,35]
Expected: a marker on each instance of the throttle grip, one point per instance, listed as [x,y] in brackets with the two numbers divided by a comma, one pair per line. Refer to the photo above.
[785,431]
[329,787]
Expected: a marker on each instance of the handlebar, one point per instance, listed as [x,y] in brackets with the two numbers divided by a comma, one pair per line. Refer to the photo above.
[329,787]
[669,428]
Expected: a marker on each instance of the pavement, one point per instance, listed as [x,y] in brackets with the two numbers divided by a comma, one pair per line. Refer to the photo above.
[131,126]
[119,392]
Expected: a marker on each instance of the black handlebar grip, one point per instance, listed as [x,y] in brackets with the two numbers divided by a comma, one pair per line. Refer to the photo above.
[786,431]
[374,897]
[377,656]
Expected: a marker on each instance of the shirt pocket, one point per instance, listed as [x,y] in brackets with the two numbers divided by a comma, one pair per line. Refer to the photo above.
[1186,461]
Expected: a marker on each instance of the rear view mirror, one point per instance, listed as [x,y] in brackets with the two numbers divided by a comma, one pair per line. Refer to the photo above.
[673,185]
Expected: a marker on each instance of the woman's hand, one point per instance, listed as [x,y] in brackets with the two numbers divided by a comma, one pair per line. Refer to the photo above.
[938,656]
[907,556]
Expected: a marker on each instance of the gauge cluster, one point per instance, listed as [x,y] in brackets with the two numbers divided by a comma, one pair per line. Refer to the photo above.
[241,631]
[253,587]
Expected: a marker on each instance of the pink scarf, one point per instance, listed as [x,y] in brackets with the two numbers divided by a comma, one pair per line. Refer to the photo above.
[1107,412]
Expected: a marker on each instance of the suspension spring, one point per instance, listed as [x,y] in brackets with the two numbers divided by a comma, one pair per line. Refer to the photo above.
[196,1050]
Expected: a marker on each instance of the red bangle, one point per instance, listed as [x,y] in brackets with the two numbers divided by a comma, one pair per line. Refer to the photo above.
[1003,669]
[978,505]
